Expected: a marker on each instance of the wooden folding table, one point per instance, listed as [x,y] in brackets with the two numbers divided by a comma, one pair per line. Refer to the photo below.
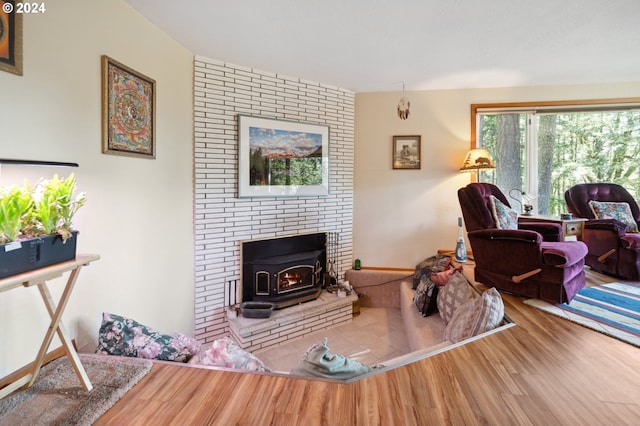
[39,278]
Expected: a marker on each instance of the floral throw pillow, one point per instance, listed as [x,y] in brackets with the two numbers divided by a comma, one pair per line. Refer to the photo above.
[126,337]
[618,211]
[505,216]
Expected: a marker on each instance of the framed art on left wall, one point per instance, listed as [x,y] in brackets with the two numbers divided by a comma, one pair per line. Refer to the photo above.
[10,37]
[128,111]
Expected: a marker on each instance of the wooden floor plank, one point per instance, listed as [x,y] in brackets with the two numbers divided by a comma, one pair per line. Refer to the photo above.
[543,371]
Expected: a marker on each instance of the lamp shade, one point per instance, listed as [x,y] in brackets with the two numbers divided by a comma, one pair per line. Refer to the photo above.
[476,159]
[527,198]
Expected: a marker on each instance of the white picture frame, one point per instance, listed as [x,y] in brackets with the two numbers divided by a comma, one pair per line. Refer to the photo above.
[281,158]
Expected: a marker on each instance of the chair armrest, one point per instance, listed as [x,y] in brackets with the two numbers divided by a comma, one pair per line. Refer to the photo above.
[550,231]
[506,252]
[631,241]
[521,235]
[612,225]
[563,254]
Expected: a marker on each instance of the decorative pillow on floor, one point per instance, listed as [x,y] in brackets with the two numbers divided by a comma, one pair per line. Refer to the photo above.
[426,296]
[319,362]
[617,211]
[475,317]
[126,337]
[226,353]
[456,293]
[436,263]
[505,216]
[190,343]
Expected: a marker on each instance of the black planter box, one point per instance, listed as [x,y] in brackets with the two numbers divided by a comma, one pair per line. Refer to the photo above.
[33,253]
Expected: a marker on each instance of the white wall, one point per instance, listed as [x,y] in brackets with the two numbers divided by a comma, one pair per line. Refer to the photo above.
[403,216]
[138,216]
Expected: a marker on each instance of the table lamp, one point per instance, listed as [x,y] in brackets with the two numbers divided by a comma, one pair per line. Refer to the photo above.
[477,159]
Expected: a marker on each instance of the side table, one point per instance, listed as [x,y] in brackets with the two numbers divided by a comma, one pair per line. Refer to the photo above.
[571,228]
[39,277]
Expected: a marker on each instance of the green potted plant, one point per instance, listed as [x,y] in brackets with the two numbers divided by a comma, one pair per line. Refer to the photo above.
[15,206]
[35,225]
[54,207]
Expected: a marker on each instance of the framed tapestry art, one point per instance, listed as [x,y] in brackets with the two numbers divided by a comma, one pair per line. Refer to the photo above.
[128,111]
[282,158]
[406,152]
[10,37]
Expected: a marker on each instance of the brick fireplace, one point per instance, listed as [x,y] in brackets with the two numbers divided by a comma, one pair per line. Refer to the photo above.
[223,221]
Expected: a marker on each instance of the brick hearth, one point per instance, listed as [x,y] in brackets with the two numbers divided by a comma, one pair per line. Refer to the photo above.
[328,310]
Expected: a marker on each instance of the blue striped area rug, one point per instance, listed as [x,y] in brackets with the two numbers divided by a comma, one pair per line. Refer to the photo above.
[612,309]
[615,304]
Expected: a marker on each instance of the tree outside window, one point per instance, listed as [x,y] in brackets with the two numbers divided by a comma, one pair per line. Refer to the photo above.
[543,151]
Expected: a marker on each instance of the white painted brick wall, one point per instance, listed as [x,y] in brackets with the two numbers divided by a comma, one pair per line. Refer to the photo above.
[222,221]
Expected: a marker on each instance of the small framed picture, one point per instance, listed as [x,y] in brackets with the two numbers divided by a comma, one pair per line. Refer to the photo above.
[406,152]
[128,111]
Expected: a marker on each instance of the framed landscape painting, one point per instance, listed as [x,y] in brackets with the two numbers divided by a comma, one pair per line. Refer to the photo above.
[282,158]
[128,111]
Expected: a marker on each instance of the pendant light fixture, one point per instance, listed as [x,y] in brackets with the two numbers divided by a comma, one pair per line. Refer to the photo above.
[403,106]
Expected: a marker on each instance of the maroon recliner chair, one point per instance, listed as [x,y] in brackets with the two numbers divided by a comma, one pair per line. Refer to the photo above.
[612,249]
[519,261]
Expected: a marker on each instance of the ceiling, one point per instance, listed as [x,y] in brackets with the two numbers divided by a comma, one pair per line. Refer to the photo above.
[377,45]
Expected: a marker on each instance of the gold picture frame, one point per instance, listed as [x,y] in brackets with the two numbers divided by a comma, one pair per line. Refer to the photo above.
[128,111]
[10,38]
[406,152]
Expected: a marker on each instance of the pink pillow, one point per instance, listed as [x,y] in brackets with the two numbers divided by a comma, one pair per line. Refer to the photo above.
[226,353]
[442,278]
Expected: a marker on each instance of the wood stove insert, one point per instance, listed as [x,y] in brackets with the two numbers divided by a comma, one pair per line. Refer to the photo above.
[284,271]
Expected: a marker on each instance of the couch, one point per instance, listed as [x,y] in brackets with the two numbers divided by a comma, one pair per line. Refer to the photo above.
[424,334]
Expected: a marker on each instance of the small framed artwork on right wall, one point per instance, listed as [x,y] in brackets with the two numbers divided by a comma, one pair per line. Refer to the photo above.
[406,152]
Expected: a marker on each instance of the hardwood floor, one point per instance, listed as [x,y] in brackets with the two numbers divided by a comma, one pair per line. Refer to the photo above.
[543,371]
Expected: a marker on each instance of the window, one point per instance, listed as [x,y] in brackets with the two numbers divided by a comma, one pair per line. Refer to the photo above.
[544,148]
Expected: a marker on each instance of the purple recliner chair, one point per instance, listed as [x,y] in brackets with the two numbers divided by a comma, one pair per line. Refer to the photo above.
[519,261]
[613,249]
